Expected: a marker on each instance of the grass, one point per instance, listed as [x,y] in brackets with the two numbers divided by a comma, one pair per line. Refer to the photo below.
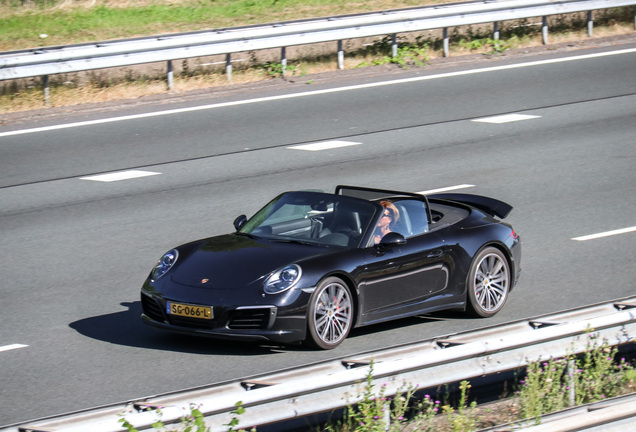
[33,23]
[68,22]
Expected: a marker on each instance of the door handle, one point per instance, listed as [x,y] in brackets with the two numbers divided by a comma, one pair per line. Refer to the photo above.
[435,254]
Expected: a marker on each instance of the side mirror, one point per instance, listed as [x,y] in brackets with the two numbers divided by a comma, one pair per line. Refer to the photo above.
[393,238]
[239,222]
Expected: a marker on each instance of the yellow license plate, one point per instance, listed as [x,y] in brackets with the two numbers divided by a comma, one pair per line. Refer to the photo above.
[201,312]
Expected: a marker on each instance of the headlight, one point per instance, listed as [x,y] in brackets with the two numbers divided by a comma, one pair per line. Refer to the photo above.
[164,264]
[283,279]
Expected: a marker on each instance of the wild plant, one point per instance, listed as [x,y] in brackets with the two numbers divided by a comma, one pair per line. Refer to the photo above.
[194,421]
[543,389]
[597,376]
[574,380]
[375,411]
[464,418]
[279,70]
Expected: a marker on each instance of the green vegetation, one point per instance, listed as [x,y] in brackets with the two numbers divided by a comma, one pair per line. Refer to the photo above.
[554,384]
[484,44]
[279,70]
[194,421]
[60,26]
[415,53]
[235,421]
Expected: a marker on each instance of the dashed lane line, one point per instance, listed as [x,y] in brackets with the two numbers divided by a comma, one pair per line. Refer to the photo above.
[119,175]
[605,234]
[325,145]
[445,189]
[507,118]
[12,347]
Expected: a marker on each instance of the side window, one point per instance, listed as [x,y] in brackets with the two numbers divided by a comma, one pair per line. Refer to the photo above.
[413,217]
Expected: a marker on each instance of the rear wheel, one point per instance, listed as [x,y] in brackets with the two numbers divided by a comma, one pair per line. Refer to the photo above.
[488,282]
[330,314]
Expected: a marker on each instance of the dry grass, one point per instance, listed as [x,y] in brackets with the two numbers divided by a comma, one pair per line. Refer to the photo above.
[60,96]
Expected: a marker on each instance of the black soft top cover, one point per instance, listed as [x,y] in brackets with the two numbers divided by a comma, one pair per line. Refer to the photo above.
[491,206]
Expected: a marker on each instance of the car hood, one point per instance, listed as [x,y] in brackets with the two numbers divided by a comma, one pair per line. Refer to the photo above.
[234,261]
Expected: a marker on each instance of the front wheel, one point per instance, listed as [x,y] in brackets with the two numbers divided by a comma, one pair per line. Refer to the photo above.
[488,282]
[330,315]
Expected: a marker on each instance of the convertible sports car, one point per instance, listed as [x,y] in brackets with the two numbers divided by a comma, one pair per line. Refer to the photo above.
[310,266]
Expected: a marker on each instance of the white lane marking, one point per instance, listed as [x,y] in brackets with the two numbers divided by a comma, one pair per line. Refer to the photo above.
[121,175]
[326,145]
[507,118]
[319,92]
[446,189]
[12,347]
[605,234]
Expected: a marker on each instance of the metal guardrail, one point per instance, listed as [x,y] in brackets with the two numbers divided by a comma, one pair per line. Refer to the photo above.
[330,385]
[74,58]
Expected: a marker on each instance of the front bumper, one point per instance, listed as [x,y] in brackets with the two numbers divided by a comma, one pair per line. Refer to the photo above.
[248,323]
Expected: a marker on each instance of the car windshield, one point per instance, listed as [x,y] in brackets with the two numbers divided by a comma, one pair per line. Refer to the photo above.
[313,217]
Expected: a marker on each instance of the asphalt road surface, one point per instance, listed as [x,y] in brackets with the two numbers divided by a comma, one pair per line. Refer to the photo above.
[76,249]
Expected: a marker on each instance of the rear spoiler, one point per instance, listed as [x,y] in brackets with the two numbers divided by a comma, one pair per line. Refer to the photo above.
[491,206]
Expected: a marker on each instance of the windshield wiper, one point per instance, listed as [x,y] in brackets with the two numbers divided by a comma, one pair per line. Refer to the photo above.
[295,241]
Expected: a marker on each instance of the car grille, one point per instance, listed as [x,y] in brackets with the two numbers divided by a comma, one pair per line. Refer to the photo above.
[192,322]
[152,309]
[250,319]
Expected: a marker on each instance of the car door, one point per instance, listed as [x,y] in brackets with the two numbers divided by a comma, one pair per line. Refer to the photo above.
[398,280]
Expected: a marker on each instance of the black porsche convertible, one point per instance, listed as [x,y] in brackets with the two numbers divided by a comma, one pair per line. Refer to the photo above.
[310,266]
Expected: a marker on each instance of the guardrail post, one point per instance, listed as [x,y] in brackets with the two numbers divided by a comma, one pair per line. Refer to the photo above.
[283,60]
[386,407]
[571,383]
[170,75]
[446,42]
[340,56]
[228,66]
[47,90]
[590,23]
[544,30]
[394,45]
[495,30]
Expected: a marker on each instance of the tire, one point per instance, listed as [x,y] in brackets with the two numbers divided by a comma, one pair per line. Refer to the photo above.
[488,282]
[330,314]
